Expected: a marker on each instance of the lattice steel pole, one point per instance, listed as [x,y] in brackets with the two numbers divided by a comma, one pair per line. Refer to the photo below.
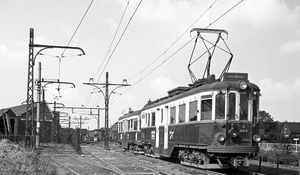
[30,87]
[30,83]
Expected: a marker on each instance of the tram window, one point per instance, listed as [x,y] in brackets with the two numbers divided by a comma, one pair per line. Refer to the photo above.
[153,119]
[148,119]
[206,109]
[142,119]
[220,106]
[232,102]
[162,115]
[131,124]
[181,113]
[173,115]
[244,106]
[255,107]
[135,124]
[140,124]
[128,125]
[193,111]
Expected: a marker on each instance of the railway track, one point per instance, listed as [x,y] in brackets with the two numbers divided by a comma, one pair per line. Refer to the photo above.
[97,160]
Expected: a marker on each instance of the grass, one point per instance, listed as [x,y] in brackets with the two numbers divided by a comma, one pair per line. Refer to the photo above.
[15,159]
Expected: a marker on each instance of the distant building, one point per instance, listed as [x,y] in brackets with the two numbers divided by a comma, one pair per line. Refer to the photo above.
[290,132]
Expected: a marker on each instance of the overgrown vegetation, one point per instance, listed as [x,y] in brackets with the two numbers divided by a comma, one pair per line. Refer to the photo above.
[283,155]
[15,159]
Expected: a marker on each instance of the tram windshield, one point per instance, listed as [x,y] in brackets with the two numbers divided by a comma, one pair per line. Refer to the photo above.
[244,98]
[234,107]
[220,106]
[231,103]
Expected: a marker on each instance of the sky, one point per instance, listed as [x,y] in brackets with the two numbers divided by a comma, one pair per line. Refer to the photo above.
[148,44]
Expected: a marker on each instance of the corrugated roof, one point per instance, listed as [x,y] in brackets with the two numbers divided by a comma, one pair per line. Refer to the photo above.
[21,109]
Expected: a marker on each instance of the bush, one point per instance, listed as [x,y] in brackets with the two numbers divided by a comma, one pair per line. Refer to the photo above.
[285,157]
[15,159]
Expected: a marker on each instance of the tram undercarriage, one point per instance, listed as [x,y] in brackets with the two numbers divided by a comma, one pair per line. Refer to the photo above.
[202,159]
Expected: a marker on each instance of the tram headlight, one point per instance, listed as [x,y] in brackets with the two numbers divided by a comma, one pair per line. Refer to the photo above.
[220,137]
[243,85]
[233,133]
[256,138]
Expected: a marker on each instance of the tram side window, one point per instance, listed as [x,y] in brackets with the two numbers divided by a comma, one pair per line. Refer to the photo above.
[220,106]
[162,115]
[181,113]
[206,109]
[173,114]
[128,125]
[148,119]
[244,106]
[140,123]
[193,111]
[232,102]
[153,119]
[135,124]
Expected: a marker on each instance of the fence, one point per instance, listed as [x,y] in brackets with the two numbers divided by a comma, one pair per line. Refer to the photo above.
[59,143]
[280,146]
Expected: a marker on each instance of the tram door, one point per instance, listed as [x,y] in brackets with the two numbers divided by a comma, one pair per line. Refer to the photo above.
[161,139]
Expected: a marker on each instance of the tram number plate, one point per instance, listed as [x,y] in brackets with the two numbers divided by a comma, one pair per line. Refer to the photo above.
[243,130]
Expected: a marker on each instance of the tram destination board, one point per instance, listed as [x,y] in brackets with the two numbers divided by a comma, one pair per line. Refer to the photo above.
[235,76]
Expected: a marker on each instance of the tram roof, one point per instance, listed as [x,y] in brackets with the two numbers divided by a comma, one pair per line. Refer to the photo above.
[214,85]
[130,114]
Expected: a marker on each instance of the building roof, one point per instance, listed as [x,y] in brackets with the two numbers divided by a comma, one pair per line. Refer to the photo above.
[294,127]
[21,110]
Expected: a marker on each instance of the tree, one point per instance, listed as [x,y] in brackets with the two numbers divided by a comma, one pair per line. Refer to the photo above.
[265,117]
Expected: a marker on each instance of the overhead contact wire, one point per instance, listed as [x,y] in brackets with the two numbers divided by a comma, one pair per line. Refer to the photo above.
[121,37]
[78,26]
[176,40]
[112,40]
[182,46]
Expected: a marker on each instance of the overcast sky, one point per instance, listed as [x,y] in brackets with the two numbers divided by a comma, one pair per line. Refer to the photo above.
[264,37]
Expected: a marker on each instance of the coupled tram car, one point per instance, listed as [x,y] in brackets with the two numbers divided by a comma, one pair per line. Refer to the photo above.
[210,126]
